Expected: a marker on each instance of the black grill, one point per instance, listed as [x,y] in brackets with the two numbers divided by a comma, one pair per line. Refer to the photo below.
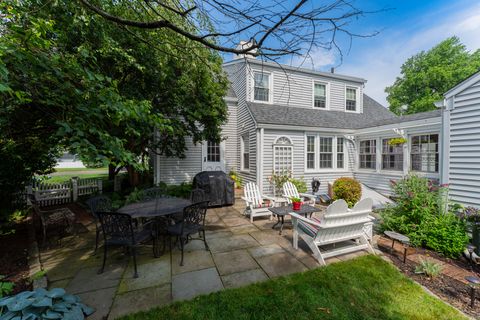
[218,187]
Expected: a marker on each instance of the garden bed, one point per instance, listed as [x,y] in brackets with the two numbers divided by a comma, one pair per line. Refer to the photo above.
[448,288]
[14,258]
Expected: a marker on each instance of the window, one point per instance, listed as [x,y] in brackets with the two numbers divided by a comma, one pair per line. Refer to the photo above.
[351,99]
[282,156]
[310,152]
[213,151]
[245,146]
[326,152]
[392,156]
[320,96]
[424,153]
[261,90]
[340,154]
[368,154]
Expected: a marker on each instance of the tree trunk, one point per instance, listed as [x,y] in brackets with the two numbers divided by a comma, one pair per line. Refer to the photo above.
[133,176]
[111,172]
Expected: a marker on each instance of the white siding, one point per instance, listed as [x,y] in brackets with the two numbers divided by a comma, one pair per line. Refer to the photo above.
[295,89]
[380,180]
[176,171]
[229,133]
[245,123]
[464,156]
[298,141]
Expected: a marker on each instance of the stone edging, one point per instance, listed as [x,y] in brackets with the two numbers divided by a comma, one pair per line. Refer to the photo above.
[34,263]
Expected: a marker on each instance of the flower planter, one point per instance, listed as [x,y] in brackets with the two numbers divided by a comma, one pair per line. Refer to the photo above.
[296,206]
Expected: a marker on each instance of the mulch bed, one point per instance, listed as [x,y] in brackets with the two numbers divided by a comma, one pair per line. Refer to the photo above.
[14,258]
[447,288]
[14,248]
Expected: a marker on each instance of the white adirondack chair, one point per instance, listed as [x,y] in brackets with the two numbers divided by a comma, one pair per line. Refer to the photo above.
[255,202]
[290,190]
[338,224]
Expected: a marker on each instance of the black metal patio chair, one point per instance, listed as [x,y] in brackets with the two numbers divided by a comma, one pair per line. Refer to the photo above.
[118,230]
[51,217]
[98,204]
[193,221]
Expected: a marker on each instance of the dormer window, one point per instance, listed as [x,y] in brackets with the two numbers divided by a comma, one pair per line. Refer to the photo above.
[261,86]
[320,95]
[351,99]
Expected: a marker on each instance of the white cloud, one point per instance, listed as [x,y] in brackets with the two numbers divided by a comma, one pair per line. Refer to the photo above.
[380,62]
[318,58]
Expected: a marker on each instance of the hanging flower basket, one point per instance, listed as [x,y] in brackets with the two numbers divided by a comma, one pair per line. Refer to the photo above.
[396,141]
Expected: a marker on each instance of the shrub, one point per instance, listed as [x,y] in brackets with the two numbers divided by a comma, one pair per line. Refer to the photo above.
[43,304]
[347,189]
[236,178]
[300,184]
[417,214]
[429,268]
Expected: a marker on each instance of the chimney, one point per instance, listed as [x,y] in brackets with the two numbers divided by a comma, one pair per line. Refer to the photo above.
[332,70]
[243,45]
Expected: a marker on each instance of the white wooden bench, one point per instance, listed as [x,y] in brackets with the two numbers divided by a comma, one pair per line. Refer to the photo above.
[338,224]
[255,202]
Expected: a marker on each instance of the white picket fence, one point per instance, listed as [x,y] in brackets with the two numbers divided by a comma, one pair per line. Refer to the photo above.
[49,194]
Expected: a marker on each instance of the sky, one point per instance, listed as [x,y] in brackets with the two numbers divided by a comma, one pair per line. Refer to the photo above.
[405,28]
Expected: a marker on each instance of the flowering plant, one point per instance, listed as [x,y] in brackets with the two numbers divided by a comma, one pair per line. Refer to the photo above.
[471,214]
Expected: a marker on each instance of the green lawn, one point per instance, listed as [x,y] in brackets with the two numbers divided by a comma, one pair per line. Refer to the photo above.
[104,169]
[364,288]
[67,177]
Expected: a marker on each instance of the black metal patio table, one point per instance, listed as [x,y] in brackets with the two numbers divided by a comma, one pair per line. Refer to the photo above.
[159,209]
[281,212]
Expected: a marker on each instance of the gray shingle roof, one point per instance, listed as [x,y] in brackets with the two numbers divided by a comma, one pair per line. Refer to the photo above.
[374,114]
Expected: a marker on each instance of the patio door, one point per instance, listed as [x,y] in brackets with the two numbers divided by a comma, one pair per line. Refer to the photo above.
[213,156]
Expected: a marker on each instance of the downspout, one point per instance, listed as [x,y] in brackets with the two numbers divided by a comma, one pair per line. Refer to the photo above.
[260,159]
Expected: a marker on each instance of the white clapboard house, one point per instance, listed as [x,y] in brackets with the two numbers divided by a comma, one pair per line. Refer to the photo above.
[322,125]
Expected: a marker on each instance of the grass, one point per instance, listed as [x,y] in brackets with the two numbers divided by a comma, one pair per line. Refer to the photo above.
[66,177]
[364,288]
[104,169]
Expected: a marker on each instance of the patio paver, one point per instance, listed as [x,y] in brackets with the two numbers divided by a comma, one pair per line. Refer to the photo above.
[193,261]
[240,253]
[280,264]
[234,242]
[234,261]
[100,300]
[149,275]
[191,284]
[140,300]
[244,278]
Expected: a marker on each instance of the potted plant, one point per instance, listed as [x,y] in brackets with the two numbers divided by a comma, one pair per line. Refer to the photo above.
[296,203]
[397,141]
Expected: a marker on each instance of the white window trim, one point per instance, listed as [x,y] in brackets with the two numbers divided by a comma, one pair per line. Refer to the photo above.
[315,149]
[275,144]
[376,155]
[334,168]
[357,97]
[242,149]
[393,172]
[424,173]
[270,86]
[327,94]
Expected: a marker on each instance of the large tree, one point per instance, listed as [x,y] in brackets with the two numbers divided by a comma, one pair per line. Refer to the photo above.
[426,76]
[73,80]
